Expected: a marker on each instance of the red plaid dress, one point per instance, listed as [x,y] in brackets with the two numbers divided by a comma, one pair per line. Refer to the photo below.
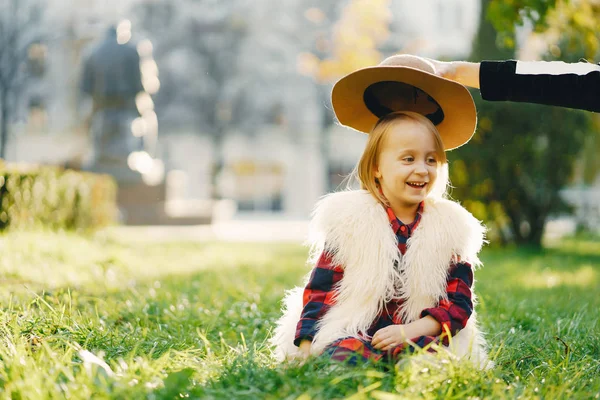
[452,314]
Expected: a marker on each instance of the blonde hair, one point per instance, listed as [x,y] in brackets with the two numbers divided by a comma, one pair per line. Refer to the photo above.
[365,169]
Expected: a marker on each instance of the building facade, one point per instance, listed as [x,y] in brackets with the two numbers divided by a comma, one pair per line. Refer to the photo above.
[278,166]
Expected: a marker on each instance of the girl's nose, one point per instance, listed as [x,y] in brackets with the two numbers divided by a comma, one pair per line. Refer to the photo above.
[421,168]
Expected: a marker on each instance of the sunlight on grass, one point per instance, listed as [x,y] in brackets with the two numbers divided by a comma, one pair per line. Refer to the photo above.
[43,260]
[581,246]
[584,277]
[91,317]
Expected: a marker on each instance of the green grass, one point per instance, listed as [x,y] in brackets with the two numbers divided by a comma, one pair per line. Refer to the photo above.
[95,318]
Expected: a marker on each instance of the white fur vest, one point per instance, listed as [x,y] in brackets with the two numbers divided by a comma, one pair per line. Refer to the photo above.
[355,229]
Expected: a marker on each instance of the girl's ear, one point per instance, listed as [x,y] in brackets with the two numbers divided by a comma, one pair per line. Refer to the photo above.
[376,172]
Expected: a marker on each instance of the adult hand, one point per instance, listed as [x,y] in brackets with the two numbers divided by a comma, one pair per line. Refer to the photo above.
[444,69]
[463,72]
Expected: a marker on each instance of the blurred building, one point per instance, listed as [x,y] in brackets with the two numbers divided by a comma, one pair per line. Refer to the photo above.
[50,115]
[272,164]
[435,28]
[279,125]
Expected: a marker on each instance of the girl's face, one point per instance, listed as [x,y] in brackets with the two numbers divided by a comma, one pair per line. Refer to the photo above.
[407,164]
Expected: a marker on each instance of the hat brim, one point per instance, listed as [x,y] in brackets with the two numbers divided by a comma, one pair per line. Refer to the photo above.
[460,115]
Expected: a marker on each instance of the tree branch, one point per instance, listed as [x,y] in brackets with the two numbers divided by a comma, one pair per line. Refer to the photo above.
[16,25]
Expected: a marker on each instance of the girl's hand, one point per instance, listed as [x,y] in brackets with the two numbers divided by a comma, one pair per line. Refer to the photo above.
[388,337]
[305,348]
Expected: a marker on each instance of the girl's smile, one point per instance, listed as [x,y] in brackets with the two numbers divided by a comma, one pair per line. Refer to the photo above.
[417,185]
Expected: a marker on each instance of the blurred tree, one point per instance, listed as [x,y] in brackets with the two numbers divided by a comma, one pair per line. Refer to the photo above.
[573,26]
[520,157]
[19,31]
[577,20]
[209,34]
[362,27]
[344,45]
[572,35]
[568,29]
[505,15]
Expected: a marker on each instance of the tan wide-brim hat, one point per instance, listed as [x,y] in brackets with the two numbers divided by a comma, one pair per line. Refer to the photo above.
[405,83]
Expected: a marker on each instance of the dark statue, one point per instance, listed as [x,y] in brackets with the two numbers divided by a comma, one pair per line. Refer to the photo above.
[112,77]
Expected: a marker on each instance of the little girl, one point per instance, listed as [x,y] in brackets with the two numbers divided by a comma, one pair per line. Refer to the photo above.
[393,262]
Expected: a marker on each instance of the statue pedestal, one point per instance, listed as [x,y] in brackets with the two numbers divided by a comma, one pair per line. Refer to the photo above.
[142,204]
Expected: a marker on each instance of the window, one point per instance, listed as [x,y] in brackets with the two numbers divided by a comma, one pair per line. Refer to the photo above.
[36,60]
[37,119]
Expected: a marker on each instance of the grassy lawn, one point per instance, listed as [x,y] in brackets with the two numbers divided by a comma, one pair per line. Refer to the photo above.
[95,318]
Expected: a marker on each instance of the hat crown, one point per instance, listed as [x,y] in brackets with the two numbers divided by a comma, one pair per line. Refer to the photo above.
[360,98]
[410,61]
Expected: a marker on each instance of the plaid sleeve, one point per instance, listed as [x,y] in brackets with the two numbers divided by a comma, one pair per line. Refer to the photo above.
[318,296]
[454,312]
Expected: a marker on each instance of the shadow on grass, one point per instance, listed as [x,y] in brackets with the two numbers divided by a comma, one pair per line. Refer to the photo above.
[249,377]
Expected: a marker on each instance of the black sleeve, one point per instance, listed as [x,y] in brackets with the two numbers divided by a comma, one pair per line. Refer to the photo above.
[499,82]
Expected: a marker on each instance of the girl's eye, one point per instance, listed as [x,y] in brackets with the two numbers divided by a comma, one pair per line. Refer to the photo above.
[431,160]
[408,159]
